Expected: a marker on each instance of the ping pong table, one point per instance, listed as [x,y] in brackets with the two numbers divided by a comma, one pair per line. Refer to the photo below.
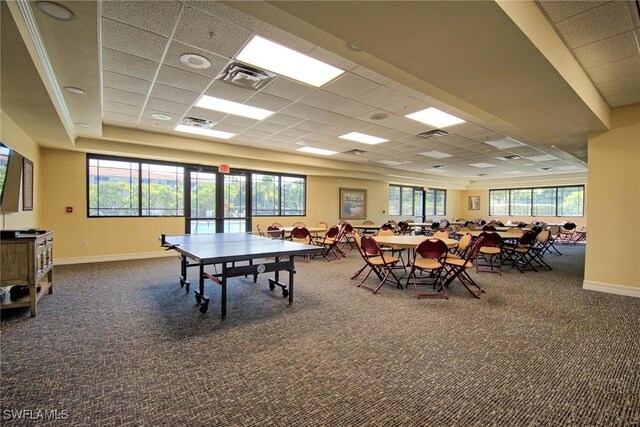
[227,249]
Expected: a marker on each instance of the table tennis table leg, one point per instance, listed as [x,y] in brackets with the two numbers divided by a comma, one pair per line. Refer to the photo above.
[183,273]
[223,292]
[291,274]
[200,299]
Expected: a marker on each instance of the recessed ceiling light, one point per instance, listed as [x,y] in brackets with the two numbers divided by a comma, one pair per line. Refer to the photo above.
[161,116]
[481,165]
[282,60]
[75,90]
[313,150]
[301,142]
[543,158]
[55,10]
[434,117]
[390,162]
[435,154]
[361,137]
[230,107]
[195,61]
[504,143]
[83,125]
[203,131]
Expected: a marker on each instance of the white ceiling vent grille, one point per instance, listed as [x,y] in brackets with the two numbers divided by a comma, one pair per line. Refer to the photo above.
[198,123]
[246,76]
[433,133]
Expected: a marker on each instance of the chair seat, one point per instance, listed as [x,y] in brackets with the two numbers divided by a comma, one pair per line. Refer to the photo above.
[490,250]
[458,262]
[379,261]
[427,264]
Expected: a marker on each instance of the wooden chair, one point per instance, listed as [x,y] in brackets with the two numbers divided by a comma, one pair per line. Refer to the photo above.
[432,255]
[378,263]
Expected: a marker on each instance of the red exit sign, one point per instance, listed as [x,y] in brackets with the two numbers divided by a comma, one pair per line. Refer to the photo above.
[223,168]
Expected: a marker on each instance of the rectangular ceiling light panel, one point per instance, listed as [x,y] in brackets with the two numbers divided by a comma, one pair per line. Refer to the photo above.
[204,132]
[314,150]
[435,154]
[287,62]
[364,138]
[434,117]
[235,108]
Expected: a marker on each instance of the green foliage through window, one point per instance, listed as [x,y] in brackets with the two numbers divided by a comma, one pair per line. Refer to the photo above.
[546,201]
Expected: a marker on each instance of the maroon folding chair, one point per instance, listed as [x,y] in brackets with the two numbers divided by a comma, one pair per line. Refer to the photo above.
[457,269]
[429,257]
[379,264]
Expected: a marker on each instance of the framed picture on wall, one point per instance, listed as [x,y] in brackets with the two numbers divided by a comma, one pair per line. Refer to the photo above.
[27,185]
[474,203]
[353,203]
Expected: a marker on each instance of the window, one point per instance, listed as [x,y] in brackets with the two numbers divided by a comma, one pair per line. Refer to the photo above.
[547,201]
[413,201]
[132,188]
[278,195]
[435,202]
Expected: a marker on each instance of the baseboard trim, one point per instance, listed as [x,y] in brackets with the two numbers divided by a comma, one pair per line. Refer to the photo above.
[610,288]
[106,258]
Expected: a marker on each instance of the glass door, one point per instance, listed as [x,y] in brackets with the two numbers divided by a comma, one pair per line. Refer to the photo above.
[235,196]
[201,215]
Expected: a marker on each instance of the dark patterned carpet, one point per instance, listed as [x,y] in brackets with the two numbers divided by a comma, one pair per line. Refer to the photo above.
[121,344]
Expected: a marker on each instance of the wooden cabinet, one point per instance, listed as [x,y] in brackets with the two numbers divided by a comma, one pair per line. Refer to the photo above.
[26,259]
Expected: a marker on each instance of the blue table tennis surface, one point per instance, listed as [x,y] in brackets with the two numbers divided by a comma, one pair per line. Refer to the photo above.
[227,247]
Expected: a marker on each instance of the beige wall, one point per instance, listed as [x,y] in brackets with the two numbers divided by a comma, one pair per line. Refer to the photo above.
[18,140]
[613,255]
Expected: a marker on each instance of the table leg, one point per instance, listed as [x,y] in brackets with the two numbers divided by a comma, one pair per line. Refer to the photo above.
[291,275]
[223,293]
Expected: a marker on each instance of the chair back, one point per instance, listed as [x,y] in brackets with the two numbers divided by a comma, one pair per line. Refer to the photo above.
[543,236]
[386,232]
[473,253]
[464,229]
[260,231]
[367,222]
[274,232]
[569,226]
[386,226]
[432,249]
[527,238]
[554,230]
[444,223]
[516,231]
[301,233]
[347,228]
[276,225]
[370,247]
[488,227]
[299,224]
[435,226]
[464,242]
[332,232]
[442,233]
[491,239]
[403,227]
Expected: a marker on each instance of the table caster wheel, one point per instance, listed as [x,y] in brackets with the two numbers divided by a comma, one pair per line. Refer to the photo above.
[285,293]
[272,286]
[204,308]
[198,299]
[187,288]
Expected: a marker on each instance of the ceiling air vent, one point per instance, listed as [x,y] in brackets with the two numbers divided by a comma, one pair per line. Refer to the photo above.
[548,168]
[246,76]
[437,167]
[511,157]
[198,123]
[433,133]
[355,152]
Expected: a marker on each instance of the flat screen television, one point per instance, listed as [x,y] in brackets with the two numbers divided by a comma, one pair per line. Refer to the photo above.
[10,179]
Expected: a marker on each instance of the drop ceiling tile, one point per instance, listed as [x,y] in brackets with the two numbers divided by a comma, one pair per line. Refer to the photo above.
[124,118]
[211,34]
[435,154]
[353,108]
[126,83]
[323,100]
[203,113]
[301,110]
[182,79]
[279,138]
[243,122]
[294,133]
[173,94]
[371,75]
[605,21]
[311,126]
[609,50]
[405,106]
[162,105]
[380,97]
[130,65]
[268,102]
[155,125]
[623,98]
[131,40]
[406,125]
[350,85]
[229,92]
[122,124]
[624,68]
[177,49]
[268,127]
[156,17]
[228,128]
[251,133]
[559,10]
[622,85]
[286,88]
[117,107]
[117,95]
[283,120]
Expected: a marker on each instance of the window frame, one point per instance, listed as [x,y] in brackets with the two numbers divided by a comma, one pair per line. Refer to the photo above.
[531,201]
[280,207]
[421,212]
